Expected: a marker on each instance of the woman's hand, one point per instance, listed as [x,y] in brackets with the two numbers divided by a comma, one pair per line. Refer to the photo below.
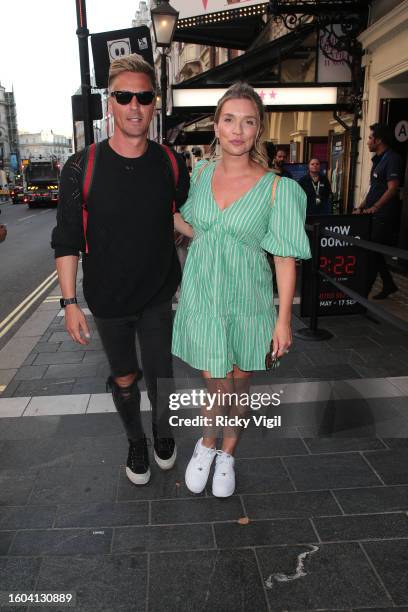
[182,227]
[282,338]
[286,280]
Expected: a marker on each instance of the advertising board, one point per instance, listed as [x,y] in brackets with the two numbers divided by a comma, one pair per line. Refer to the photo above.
[346,263]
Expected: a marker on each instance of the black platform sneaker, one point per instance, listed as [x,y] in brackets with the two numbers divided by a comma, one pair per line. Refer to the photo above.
[137,467]
[165,452]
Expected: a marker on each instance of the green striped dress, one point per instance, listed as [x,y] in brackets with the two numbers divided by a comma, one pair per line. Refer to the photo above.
[225,314]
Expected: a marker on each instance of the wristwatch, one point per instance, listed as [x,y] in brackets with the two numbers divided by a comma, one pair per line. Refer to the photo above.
[66,301]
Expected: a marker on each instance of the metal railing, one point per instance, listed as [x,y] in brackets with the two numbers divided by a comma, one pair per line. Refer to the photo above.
[313,332]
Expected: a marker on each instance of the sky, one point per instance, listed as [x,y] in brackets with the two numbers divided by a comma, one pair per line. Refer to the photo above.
[39,55]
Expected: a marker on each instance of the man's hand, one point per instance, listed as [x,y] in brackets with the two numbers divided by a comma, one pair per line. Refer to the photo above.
[3,232]
[370,211]
[358,210]
[76,325]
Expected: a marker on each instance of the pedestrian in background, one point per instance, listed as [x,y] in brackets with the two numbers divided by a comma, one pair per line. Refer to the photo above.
[3,232]
[383,203]
[226,324]
[130,265]
[278,161]
[317,187]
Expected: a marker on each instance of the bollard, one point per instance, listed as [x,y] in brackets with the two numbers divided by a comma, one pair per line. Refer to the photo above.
[313,332]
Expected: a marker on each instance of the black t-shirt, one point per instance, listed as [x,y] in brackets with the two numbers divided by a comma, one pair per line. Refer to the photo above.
[386,167]
[320,189]
[282,172]
[131,261]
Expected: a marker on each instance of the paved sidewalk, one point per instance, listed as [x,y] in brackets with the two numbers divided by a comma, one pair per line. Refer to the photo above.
[318,520]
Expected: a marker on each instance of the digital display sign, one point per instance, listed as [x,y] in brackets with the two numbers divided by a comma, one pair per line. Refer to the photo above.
[344,262]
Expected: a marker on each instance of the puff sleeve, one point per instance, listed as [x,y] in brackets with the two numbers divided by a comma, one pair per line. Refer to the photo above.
[286,235]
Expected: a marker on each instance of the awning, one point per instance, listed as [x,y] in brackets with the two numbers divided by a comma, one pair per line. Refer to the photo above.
[234,34]
[261,67]
[253,65]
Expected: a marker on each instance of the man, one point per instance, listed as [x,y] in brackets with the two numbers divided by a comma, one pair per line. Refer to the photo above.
[382,202]
[317,187]
[278,162]
[131,270]
[3,232]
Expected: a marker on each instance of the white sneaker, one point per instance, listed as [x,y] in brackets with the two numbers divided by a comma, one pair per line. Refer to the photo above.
[224,475]
[199,467]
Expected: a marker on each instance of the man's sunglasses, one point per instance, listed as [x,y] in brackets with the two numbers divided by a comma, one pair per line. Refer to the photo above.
[124,97]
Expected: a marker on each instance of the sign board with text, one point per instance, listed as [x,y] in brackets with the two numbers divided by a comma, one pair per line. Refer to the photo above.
[197,8]
[271,96]
[346,263]
[333,69]
[109,46]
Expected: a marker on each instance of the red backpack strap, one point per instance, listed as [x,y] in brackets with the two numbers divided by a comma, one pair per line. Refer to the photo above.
[175,168]
[86,186]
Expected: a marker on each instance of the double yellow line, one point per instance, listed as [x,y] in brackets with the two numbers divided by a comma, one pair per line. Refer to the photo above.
[18,312]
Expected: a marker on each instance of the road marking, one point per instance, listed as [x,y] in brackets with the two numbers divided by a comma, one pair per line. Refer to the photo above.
[25,218]
[18,312]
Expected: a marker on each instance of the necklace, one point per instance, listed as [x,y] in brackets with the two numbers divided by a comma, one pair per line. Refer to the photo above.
[316,187]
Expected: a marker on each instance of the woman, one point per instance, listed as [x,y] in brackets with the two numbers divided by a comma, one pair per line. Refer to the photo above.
[225,318]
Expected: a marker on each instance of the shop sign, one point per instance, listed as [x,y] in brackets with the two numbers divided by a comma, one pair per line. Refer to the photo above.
[344,262]
[198,8]
[271,96]
[334,70]
[401,131]
[109,46]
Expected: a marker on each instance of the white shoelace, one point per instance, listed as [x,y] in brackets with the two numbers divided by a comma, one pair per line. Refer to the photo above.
[224,460]
[204,455]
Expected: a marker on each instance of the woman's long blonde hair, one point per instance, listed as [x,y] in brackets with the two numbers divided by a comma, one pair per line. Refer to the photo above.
[237,91]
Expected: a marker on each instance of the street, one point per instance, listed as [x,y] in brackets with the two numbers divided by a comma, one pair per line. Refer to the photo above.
[26,259]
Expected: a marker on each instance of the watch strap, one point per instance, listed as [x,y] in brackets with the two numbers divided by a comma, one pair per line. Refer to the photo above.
[66,301]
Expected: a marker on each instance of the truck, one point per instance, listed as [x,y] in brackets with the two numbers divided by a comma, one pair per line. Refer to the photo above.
[41,181]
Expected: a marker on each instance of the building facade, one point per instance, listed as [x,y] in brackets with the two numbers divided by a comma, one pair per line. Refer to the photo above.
[385,98]
[274,56]
[9,142]
[45,144]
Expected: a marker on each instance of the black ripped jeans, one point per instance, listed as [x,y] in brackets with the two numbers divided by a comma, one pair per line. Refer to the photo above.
[153,327]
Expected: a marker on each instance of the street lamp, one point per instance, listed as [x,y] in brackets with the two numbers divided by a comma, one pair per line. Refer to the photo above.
[164,19]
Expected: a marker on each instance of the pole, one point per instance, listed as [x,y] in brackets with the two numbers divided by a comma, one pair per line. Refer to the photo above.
[163,85]
[312,332]
[315,276]
[158,128]
[83,34]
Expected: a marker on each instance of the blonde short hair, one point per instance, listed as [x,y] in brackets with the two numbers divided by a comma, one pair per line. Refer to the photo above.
[131,63]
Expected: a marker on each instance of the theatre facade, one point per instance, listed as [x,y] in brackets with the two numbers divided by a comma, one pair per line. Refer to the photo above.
[385,95]
[294,60]
[306,59]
